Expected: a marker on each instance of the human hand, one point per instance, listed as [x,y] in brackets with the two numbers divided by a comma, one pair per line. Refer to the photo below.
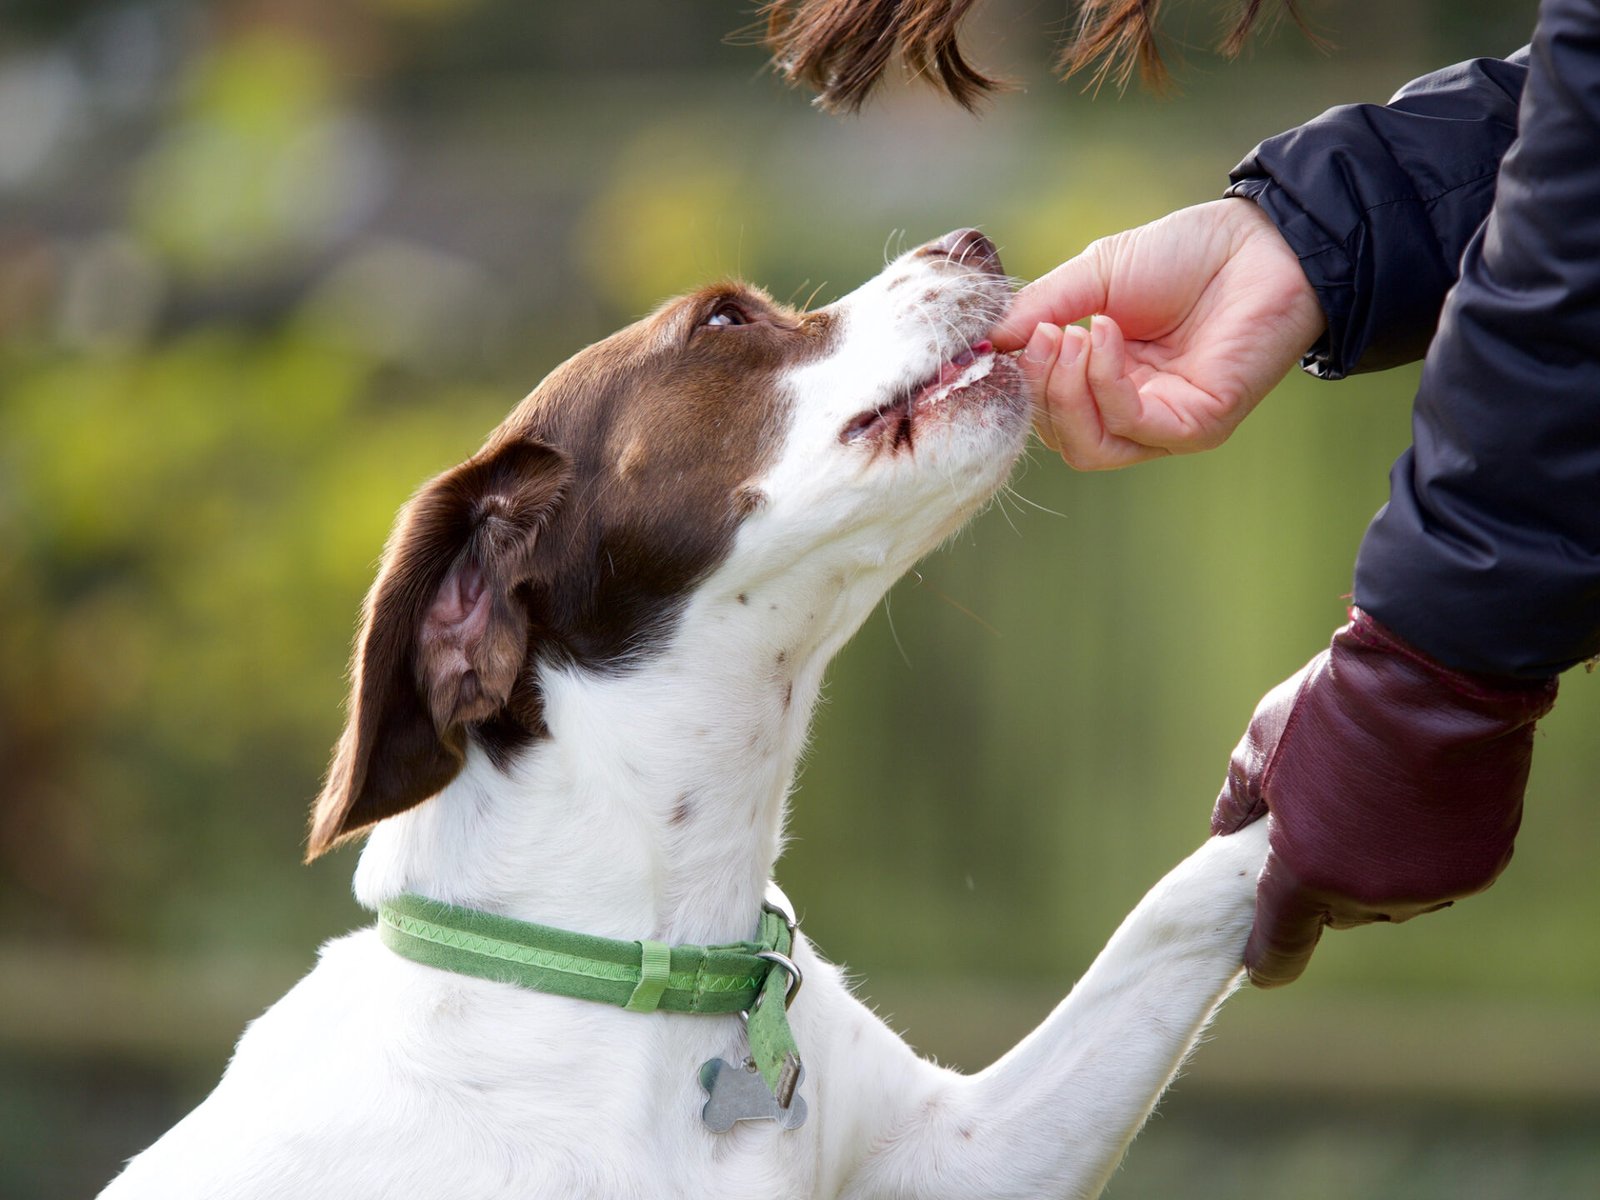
[1394,786]
[1204,311]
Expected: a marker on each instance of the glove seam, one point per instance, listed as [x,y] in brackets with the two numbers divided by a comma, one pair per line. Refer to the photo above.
[1366,631]
[1296,709]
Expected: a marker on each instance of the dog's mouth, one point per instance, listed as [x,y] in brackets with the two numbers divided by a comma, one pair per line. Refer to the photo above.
[897,419]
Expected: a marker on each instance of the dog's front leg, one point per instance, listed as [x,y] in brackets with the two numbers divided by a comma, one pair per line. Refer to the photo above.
[1053,1117]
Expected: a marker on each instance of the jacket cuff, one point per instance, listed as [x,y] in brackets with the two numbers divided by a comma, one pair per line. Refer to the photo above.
[1328,269]
[1365,241]
[1379,202]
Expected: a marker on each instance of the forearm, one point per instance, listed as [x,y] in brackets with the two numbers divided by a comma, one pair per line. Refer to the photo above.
[1487,555]
[1379,202]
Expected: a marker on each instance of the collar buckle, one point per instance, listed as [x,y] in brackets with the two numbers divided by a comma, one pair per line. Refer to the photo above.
[796,978]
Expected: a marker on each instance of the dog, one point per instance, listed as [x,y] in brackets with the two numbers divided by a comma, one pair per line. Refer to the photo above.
[583,677]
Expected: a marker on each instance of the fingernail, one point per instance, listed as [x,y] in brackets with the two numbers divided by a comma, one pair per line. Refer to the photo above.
[1071,345]
[1042,344]
[1097,331]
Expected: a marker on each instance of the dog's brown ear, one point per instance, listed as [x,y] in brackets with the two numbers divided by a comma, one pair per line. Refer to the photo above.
[443,635]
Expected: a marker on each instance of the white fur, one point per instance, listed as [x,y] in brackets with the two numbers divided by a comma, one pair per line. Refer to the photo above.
[378,1077]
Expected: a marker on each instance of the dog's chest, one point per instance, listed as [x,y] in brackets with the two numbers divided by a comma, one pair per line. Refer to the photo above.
[523,1094]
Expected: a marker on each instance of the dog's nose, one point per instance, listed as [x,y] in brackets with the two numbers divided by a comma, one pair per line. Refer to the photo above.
[967,247]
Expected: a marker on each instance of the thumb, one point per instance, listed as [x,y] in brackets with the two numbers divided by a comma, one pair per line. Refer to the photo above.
[1288,925]
[1074,290]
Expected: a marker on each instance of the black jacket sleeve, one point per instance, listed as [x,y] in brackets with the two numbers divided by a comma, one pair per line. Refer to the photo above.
[1488,552]
[1379,201]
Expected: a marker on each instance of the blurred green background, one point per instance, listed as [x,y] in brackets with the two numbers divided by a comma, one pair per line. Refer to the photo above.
[266,264]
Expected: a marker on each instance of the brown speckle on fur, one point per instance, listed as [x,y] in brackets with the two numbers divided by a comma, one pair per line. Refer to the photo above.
[749,500]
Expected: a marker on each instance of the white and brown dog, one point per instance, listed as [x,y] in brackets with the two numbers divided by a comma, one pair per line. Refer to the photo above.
[583,679]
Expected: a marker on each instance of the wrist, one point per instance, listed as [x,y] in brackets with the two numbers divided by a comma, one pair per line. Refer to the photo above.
[1518,699]
[1301,309]
[1398,782]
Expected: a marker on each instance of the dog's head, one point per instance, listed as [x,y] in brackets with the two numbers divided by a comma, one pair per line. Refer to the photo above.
[727,443]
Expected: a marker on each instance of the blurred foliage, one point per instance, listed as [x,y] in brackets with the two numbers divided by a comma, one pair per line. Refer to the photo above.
[266,265]
[249,163]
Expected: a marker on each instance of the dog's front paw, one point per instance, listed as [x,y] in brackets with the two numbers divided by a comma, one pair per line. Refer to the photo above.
[1244,853]
[1217,883]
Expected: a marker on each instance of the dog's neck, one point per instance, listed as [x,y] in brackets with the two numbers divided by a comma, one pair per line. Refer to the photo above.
[655,807]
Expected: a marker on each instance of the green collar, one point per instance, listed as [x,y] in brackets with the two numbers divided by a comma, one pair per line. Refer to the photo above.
[641,976]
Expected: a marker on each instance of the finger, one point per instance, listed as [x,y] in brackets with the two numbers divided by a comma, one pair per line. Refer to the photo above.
[1121,408]
[1037,361]
[1071,292]
[1074,412]
[1241,800]
[1237,803]
[1288,925]
[1060,385]
[1151,407]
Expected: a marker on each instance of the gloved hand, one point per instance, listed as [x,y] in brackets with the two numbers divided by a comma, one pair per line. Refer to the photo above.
[1394,784]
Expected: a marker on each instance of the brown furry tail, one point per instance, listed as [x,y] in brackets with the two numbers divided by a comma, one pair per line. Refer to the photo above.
[841,48]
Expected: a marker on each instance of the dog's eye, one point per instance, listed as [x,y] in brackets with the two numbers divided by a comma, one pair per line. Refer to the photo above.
[727,313]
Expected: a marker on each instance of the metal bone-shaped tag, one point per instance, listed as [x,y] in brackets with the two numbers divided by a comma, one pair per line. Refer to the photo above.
[740,1094]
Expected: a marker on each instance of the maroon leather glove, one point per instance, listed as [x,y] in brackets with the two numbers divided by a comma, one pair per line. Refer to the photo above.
[1395,787]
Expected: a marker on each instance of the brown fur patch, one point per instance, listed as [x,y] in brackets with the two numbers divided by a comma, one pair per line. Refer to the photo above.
[419,673]
[573,536]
